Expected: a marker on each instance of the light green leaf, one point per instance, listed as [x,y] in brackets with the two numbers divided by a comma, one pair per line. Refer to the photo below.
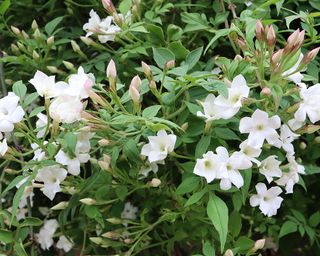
[193,57]
[195,197]
[50,27]
[217,212]
[187,185]
[6,236]
[31,221]
[287,228]
[208,249]
[19,89]
[19,249]
[202,146]
[4,6]
[162,55]
[219,33]
[70,142]
[151,111]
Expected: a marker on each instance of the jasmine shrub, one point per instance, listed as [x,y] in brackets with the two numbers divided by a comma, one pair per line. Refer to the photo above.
[171,158]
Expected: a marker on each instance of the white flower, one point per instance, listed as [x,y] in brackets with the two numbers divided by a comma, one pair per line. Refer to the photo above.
[41,125]
[289,179]
[292,73]
[51,176]
[45,235]
[159,146]
[3,147]
[249,152]
[310,104]
[83,142]
[46,85]
[80,84]
[287,137]
[66,109]
[211,110]
[28,193]
[268,200]
[20,213]
[238,91]
[129,212]
[295,124]
[64,243]
[150,167]
[39,154]
[10,112]
[126,18]
[208,167]
[260,127]
[270,167]
[230,166]
[73,164]
[105,30]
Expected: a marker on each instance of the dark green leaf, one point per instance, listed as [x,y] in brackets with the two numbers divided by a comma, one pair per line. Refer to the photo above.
[151,111]
[162,55]
[287,228]
[193,57]
[195,197]
[50,27]
[187,185]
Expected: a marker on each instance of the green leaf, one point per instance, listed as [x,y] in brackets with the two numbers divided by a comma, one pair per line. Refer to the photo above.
[193,57]
[13,183]
[155,35]
[6,236]
[17,198]
[131,150]
[179,50]
[31,221]
[219,33]
[244,243]
[50,27]
[162,55]
[151,111]
[125,6]
[122,192]
[195,197]
[19,89]
[202,146]
[217,212]
[30,98]
[314,219]
[235,223]
[311,169]
[226,134]
[4,6]
[19,249]
[70,142]
[36,111]
[193,108]
[187,185]
[245,188]
[287,228]
[208,249]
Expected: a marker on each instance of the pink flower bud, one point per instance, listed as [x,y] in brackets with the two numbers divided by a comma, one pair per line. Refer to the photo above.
[259,244]
[155,182]
[266,91]
[271,36]
[111,70]
[108,5]
[170,64]
[277,56]
[310,56]
[146,70]
[134,89]
[259,30]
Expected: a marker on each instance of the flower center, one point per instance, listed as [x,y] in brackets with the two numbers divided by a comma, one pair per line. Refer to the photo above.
[260,127]
[207,164]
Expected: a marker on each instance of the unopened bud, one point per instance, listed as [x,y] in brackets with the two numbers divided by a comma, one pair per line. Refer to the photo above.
[88,41]
[50,41]
[146,70]
[242,44]
[271,36]
[25,35]
[266,91]
[53,69]
[88,201]
[292,39]
[60,206]
[15,30]
[170,64]
[277,56]
[111,70]
[185,126]
[9,81]
[310,56]
[37,35]
[34,25]
[228,253]
[96,240]
[238,57]
[114,220]
[71,190]
[35,55]
[317,139]
[15,49]
[85,128]
[134,89]
[259,244]
[154,182]
[111,235]
[21,46]
[10,171]
[105,163]
[152,85]
[128,241]
[75,46]
[103,142]
[68,65]
[259,30]
[108,5]
[302,145]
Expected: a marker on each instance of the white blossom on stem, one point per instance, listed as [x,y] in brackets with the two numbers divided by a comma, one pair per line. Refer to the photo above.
[208,166]
[159,146]
[260,127]
[270,167]
[268,200]
[64,244]
[45,235]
